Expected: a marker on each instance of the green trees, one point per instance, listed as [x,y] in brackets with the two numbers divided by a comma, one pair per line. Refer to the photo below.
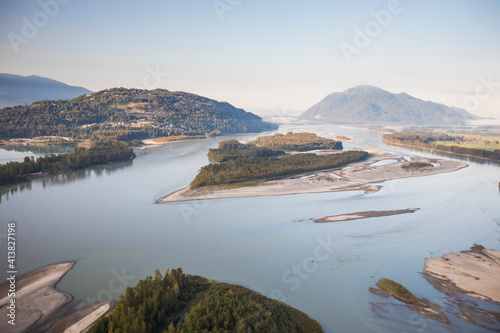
[101,151]
[232,149]
[128,114]
[426,140]
[297,142]
[243,169]
[179,302]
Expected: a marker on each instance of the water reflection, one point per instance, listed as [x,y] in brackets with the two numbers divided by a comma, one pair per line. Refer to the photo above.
[41,150]
[69,177]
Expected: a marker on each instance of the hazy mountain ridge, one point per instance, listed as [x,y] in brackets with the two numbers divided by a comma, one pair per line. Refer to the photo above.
[20,90]
[369,104]
[129,113]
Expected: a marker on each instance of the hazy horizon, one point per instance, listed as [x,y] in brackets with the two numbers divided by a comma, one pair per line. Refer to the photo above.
[282,57]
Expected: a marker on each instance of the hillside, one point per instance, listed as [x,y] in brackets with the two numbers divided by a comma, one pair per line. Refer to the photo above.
[20,90]
[179,302]
[367,104]
[129,113]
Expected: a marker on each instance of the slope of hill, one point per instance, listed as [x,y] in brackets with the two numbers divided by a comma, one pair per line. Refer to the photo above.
[178,302]
[20,90]
[128,113]
[367,104]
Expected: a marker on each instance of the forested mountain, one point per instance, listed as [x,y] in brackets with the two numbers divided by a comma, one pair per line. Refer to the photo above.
[129,113]
[20,90]
[367,104]
[179,302]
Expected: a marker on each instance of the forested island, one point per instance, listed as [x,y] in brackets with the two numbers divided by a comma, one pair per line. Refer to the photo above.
[444,143]
[179,302]
[99,151]
[128,114]
[239,163]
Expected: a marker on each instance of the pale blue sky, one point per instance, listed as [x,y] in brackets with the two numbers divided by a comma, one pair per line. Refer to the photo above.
[274,56]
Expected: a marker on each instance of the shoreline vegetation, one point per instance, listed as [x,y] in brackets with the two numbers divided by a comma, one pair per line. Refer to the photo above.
[361,174]
[364,215]
[442,143]
[173,302]
[179,302]
[98,151]
[471,273]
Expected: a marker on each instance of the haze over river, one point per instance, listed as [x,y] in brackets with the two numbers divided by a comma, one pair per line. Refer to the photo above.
[105,219]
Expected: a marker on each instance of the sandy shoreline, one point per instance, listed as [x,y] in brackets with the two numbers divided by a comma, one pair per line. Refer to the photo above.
[38,304]
[358,176]
[36,297]
[475,272]
[364,215]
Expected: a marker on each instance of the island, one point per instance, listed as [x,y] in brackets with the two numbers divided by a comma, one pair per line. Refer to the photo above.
[179,302]
[265,167]
[478,146]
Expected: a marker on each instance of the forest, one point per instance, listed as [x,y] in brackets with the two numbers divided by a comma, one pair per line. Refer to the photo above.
[233,149]
[100,151]
[180,303]
[428,141]
[245,169]
[296,142]
[128,114]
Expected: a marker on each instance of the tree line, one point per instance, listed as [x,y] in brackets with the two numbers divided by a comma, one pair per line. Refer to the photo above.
[182,303]
[426,141]
[133,113]
[233,149]
[297,142]
[244,169]
[100,151]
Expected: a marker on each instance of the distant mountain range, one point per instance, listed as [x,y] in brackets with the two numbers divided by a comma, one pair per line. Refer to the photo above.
[367,104]
[20,90]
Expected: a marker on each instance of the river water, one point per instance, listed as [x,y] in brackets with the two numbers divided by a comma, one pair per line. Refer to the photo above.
[105,218]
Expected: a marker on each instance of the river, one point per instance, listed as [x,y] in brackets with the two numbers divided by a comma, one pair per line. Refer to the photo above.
[105,218]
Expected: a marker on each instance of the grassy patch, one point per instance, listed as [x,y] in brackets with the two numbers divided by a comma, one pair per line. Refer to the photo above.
[398,291]
[416,165]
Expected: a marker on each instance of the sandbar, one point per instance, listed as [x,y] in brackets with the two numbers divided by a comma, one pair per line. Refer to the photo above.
[475,272]
[357,176]
[35,297]
[364,215]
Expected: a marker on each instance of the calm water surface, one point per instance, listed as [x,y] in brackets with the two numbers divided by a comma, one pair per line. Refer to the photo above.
[106,220]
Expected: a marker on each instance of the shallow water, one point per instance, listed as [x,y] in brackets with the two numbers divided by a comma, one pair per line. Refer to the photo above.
[105,218]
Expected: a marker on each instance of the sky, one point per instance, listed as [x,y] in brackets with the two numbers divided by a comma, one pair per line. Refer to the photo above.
[269,57]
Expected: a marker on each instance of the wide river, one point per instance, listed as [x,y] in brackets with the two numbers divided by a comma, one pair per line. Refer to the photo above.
[106,219]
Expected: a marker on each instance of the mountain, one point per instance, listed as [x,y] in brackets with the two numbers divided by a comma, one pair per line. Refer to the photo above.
[20,90]
[129,113]
[367,104]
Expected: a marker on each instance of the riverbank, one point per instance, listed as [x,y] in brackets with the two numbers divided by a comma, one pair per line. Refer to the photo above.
[39,304]
[36,297]
[475,272]
[357,176]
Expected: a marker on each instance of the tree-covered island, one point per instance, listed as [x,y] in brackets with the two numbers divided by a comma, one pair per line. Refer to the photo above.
[265,159]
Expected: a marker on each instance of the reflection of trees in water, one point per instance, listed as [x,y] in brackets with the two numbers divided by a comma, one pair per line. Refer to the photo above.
[436,153]
[41,150]
[64,178]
